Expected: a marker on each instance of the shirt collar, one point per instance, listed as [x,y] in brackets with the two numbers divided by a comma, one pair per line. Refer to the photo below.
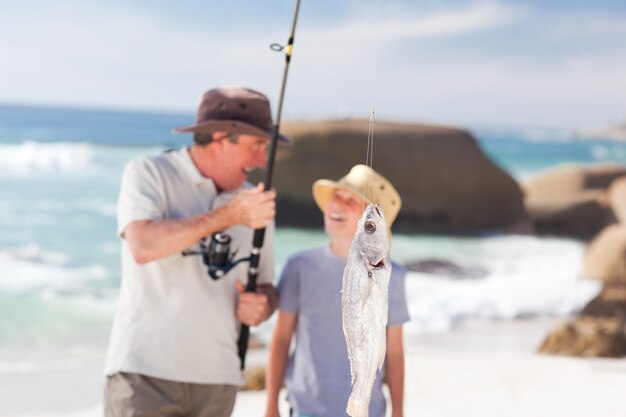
[191,170]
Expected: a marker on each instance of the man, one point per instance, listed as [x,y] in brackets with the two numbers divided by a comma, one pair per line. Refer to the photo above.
[173,347]
[317,372]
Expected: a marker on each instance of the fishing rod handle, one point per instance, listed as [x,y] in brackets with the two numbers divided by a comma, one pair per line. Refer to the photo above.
[242,343]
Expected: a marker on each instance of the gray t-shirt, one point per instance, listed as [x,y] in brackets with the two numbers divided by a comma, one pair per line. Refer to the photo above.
[318,370]
[172,321]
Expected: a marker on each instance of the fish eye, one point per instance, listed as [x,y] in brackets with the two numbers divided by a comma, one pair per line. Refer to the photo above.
[370,226]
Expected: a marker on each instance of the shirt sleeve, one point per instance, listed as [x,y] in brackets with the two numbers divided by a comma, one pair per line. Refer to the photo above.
[398,310]
[288,288]
[141,194]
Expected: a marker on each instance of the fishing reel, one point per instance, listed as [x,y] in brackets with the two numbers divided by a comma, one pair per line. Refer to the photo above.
[217,255]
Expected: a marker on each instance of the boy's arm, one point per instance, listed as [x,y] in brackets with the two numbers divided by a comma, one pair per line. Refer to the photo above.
[279,351]
[395,370]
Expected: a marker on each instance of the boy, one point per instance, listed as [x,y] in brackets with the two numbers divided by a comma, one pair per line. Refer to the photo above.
[317,373]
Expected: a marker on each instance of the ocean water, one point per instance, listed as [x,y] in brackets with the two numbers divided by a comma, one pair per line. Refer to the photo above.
[59,256]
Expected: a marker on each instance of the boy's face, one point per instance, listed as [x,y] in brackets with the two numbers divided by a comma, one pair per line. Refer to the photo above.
[342,213]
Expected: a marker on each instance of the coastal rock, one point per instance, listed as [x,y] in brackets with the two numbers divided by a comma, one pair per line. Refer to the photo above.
[617,198]
[254,379]
[254,376]
[568,179]
[580,216]
[447,184]
[587,337]
[571,200]
[599,331]
[610,303]
[605,258]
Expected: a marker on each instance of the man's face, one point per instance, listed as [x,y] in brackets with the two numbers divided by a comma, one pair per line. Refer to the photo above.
[240,158]
[342,213]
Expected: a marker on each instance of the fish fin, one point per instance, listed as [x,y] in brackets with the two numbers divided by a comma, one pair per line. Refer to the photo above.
[381,358]
[368,292]
[346,327]
[366,261]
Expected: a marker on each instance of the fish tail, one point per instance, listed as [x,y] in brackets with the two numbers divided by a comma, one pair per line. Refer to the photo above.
[359,401]
[357,407]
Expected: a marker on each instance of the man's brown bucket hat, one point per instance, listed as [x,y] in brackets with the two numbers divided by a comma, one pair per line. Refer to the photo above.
[234,110]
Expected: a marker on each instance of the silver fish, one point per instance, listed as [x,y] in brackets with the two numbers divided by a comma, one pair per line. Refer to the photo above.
[364,305]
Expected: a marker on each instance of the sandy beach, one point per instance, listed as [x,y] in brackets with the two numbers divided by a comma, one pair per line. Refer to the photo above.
[479,369]
[491,369]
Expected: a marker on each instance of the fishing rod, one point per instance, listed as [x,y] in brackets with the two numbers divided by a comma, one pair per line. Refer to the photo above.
[259,234]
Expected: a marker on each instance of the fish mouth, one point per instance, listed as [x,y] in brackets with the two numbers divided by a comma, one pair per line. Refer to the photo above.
[377,208]
[378,265]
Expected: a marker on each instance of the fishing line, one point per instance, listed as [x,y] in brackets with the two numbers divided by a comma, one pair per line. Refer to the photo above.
[369,156]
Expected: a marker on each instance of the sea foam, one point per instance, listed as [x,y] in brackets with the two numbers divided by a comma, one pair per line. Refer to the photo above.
[527,276]
[32,158]
[30,269]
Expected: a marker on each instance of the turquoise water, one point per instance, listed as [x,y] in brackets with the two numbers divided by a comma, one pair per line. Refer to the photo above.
[523,153]
[59,177]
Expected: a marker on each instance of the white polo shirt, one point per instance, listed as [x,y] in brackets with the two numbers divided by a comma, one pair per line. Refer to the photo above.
[172,320]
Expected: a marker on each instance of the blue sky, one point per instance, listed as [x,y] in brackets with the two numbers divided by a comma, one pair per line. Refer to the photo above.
[509,63]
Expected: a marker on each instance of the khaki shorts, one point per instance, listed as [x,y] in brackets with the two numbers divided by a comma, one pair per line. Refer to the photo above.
[134,395]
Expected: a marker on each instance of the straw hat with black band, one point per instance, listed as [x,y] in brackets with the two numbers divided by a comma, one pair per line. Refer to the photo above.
[365,183]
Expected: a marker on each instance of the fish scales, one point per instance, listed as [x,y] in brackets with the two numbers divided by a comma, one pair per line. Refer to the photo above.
[364,305]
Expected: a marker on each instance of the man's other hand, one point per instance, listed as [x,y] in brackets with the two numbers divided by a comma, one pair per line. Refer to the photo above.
[253,307]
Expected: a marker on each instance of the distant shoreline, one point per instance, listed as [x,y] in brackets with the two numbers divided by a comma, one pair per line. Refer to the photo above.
[615,132]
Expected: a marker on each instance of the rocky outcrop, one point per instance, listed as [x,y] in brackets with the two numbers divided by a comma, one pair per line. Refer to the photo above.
[254,378]
[599,331]
[600,328]
[605,258]
[447,184]
[571,200]
[587,337]
[617,198]
[610,303]
[567,180]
